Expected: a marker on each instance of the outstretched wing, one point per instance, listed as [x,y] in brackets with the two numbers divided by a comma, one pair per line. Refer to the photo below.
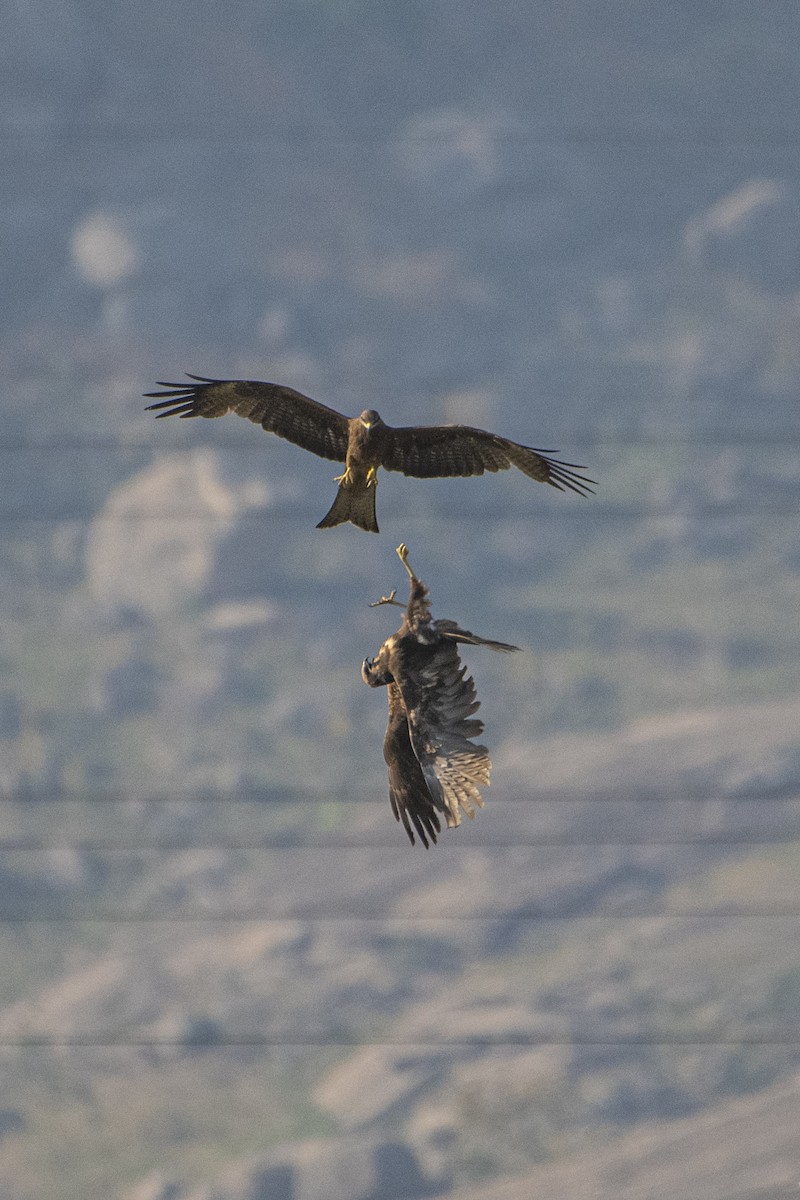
[433,451]
[439,699]
[277,409]
[410,797]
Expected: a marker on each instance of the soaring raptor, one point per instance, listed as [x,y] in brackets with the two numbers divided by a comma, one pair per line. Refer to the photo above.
[434,767]
[363,443]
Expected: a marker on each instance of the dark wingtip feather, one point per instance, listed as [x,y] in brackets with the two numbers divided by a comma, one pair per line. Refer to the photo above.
[186,392]
[167,399]
[173,409]
[562,476]
[423,833]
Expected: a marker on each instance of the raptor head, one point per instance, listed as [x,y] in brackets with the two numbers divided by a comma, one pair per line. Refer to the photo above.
[369,418]
[375,672]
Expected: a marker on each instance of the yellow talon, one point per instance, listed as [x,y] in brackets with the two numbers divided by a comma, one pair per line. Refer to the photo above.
[402,554]
[372,477]
[346,479]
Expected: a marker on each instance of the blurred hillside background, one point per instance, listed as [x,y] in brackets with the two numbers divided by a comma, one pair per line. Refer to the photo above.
[224,974]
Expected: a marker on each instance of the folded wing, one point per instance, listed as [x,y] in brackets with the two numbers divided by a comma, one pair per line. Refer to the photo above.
[411,800]
[439,700]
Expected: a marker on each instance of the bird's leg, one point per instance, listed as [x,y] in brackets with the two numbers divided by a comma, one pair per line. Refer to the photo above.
[390,599]
[402,554]
[372,477]
[346,479]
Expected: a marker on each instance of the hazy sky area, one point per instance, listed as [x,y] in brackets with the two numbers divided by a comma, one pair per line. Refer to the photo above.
[224,972]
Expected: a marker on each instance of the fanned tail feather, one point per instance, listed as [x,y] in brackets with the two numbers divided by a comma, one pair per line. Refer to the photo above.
[353,504]
[454,782]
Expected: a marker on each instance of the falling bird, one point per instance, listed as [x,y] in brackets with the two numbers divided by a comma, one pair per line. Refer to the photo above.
[363,443]
[434,767]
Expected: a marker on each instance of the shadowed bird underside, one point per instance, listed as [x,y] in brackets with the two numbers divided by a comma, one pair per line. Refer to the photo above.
[364,443]
[435,768]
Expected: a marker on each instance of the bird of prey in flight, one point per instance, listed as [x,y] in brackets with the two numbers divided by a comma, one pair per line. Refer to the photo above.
[363,443]
[434,766]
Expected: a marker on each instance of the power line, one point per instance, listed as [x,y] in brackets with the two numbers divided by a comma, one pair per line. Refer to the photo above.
[406,130]
[206,1042]
[586,438]
[482,516]
[266,800]
[330,841]
[543,917]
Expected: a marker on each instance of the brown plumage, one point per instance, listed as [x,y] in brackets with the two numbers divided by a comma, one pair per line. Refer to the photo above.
[363,443]
[434,766]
